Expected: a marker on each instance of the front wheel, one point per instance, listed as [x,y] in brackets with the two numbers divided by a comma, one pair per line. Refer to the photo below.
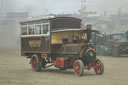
[99,67]
[78,67]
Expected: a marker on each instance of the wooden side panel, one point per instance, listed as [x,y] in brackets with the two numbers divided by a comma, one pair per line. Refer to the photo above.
[35,44]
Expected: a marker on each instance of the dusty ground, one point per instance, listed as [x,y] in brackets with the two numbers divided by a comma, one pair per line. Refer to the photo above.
[15,70]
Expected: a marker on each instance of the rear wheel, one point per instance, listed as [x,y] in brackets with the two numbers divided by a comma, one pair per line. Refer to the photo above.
[36,63]
[78,67]
[99,67]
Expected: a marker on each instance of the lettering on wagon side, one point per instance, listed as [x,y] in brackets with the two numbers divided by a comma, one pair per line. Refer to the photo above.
[34,43]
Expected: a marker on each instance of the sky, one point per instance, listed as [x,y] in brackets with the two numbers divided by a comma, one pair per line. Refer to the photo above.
[40,7]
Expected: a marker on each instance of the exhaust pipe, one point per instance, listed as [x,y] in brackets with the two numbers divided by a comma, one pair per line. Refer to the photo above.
[89,32]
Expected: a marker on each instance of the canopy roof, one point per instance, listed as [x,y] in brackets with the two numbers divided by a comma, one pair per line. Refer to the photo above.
[72,30]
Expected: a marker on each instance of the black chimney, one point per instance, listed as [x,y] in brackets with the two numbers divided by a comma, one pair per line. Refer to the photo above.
[89,32]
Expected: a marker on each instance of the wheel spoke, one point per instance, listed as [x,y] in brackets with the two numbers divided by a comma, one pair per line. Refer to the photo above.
[34,63]
[77,68]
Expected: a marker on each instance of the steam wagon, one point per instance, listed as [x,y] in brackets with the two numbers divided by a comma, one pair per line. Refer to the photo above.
[59,42]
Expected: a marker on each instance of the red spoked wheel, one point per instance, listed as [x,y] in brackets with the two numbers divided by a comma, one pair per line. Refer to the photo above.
[78,67]
[33,63]
[36,63]
[99,67]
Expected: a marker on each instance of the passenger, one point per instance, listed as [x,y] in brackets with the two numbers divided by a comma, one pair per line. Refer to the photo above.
[31,33]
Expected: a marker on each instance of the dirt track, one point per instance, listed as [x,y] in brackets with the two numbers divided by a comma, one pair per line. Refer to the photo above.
[15,70]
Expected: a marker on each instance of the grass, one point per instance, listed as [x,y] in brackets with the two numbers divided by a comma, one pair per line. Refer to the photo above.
[16,70]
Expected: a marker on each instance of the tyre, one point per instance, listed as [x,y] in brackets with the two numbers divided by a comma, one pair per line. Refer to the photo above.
[36,63]
[115,52]
[78,67]
[99,67]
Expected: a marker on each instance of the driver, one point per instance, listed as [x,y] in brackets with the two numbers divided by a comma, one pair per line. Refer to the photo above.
[86,41]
